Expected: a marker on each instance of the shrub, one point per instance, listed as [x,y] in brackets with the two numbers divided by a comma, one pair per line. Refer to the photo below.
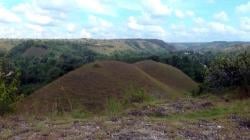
[136,95]
[229,72]
[8,89]
[131,95]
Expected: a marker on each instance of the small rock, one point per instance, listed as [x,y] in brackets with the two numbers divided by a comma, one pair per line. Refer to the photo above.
[219,126]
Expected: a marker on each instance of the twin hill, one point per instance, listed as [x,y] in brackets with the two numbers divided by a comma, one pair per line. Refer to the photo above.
[91,85]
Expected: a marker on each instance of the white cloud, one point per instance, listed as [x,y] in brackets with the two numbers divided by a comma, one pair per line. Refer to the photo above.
[71,27]
[156,29]
[244,8]
[182,14]
[36,28]
[157,8]
[219,27]
[8,16]
[99,22]
[55,5]
[36,15]
[39,19]
[96,6]
[148,29]
[222,28]
[221,16]
[179,14]
[200,30]
[133,24]
[98,26]
[85,34]
[199,21]
[245,23]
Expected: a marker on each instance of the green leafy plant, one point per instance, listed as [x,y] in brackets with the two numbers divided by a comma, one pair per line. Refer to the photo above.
[136,95]
[229,72]
[8,88]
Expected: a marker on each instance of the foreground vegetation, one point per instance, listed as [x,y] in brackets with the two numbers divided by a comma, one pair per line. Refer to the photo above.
[202,117]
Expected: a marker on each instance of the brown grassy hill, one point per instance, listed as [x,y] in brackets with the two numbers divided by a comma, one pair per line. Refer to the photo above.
[168,75]
[91,85]
[34,51]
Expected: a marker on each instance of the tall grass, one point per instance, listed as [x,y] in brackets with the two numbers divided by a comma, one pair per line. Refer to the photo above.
[131,96]
[114,106]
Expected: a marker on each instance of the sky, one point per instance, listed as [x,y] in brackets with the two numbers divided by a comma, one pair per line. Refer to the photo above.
[169,20]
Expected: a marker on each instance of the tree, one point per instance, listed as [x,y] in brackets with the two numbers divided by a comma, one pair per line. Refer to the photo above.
[8,87]
[229,72]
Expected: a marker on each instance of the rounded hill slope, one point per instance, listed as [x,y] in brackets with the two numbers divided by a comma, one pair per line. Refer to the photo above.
[168,75]
[93,84]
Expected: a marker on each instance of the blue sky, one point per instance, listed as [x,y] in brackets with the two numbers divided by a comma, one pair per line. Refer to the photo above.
[169,20]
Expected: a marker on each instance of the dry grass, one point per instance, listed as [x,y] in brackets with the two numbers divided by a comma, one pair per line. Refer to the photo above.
[90,87]
[34,51]
[168,75]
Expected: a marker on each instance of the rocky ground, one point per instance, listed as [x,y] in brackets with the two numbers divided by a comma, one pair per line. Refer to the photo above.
[165,120]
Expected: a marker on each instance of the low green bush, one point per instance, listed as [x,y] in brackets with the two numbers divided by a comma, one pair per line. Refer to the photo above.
[131,95]
[136,95]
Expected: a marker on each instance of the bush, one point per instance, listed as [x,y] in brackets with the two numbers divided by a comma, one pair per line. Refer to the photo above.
[229,72]
[8,87]
[136,95]
[131,95]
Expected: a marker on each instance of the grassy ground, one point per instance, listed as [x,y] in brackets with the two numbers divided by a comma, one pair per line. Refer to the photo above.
[206,117]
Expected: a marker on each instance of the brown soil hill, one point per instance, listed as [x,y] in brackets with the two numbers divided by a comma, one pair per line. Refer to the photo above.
[91,85]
